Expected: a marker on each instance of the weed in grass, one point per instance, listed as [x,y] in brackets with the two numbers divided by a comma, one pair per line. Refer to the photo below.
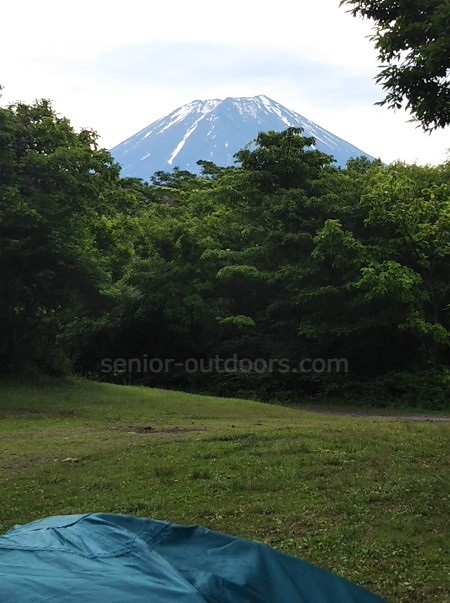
[200,474]
[164,471]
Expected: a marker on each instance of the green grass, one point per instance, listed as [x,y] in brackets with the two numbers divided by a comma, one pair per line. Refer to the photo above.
[364,497]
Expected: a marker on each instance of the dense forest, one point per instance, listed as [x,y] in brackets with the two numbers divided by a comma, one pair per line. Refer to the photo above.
[283,278]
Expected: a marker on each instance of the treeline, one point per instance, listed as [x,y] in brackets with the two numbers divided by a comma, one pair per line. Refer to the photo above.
[284,258]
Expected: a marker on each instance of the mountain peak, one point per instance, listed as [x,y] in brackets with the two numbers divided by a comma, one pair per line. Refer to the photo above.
[214,130]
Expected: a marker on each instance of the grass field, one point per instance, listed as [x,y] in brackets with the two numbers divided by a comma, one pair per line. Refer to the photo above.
[366,497]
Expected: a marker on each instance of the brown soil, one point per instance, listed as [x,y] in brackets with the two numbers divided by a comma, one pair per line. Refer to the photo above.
[364,414]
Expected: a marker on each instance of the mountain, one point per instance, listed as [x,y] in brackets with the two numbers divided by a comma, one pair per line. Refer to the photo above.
[215,130]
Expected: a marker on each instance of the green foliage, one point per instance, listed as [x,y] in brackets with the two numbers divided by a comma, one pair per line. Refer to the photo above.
[283,160]
[428,388]
[412,38]
[389,280]
[233,272]
[64,221]
[413,203]
[284,257]
[392,391]
[241,322]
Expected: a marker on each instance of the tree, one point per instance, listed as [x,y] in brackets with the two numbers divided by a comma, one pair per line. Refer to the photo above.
[283,160]
[412,205]
[282,176]
[54,190]
[412,38]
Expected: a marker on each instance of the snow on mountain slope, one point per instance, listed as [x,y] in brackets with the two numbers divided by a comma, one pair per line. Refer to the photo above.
[215,130]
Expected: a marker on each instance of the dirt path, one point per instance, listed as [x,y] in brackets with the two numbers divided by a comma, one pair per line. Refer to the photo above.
[363,414]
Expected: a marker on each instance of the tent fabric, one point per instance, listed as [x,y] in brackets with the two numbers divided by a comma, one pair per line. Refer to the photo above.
[116,558]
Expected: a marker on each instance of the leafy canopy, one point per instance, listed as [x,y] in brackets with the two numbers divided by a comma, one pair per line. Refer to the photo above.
[412,38]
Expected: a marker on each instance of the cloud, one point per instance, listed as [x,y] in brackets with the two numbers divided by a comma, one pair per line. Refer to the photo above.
[191,64]
[174,65]
[116,66]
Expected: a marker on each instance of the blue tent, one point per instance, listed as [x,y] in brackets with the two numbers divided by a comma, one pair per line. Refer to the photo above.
[117,558]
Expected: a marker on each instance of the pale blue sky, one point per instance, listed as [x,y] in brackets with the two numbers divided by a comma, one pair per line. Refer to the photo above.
[118,66]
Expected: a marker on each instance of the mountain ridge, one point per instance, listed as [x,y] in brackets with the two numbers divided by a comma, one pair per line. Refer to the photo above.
[214,130]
